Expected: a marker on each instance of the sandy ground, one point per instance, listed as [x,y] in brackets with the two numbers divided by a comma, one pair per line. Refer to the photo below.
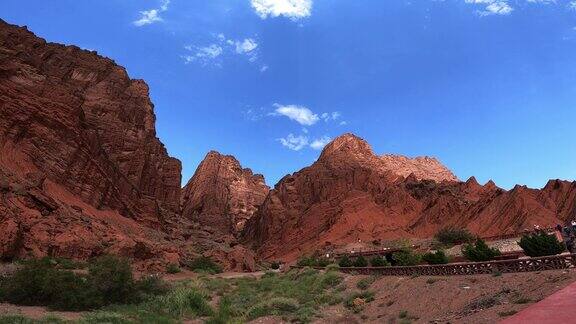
[457,299]
[461,299]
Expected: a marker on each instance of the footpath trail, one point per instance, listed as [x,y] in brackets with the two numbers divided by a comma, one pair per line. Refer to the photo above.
[558,308]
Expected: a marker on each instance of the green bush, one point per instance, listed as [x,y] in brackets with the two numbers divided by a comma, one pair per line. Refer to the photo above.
[406,258]
[322,262]
[357,301]
[365,283]
[109,281]
[379,261]
[541,244]
[276,306]
[275,265]
[204,264]
[360,262]
[112,277]
[453,236]
[306,262]
[479,251]
[345,262]
[173,269]
[438,257]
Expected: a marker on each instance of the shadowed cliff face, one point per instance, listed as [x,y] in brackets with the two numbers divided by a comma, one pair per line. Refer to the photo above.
[222,194]
[80,121]
[351,194]
[82,172]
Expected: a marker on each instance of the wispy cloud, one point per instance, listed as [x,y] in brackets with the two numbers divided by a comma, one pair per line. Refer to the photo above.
[493,7]
[319,143]
[299,114]
[293,9]
[151,16]
[294,143]
[212,54]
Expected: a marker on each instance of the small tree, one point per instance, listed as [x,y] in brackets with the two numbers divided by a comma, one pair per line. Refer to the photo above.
[438,257]
[453,236]
[345,262]
[479,251]
[379,261]
[360,262]
[541,244]
[406,257]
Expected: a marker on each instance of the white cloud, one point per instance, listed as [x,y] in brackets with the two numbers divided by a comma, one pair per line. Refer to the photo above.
[153,15]
[493,7]
[222,46]
[572,5]
[295,143]
[319,143]
[294,9]
[246,46]
[299,114]
[204,55]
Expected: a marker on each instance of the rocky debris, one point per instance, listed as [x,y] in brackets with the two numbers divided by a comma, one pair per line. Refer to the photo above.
[352,195]
[222,194]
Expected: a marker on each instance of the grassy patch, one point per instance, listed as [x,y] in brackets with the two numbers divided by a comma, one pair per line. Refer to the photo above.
[357,301]
[204,265]
[365,283]
[296,296]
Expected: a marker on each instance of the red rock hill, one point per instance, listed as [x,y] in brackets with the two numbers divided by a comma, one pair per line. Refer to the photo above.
[222,194]
[82,172]
[351,194]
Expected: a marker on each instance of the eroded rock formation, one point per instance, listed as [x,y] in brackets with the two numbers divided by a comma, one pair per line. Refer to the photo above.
[222,194]
[82,172]
[350,195]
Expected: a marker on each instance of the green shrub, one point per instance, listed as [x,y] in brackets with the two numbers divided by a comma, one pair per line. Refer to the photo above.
[109,281]
[357,301]
[331,279]
[406,257]
[182,302]
[454,236]
[275,265]
[438,257]
[322,262]
[365,283]
[333,267]
[306,262]
[173,269]
[360,262]
[112,278]
[379,261]
[39,283]
[541,244]
[204,264]
[345,262]
[276,306]
[479,251]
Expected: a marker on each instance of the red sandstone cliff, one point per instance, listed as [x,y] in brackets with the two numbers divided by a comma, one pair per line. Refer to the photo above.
[222,194]
[82,172]
[351,194]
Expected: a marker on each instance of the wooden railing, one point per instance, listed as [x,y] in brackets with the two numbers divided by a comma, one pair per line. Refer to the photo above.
[471,268]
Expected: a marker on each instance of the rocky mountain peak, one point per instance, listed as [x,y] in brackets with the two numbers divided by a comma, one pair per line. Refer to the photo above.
[222,194]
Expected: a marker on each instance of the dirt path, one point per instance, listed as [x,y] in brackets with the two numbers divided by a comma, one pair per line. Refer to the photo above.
[35,312]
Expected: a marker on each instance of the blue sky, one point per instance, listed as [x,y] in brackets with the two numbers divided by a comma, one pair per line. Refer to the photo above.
[486,86]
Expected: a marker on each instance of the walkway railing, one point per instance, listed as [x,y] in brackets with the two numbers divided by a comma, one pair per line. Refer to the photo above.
[457,269]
